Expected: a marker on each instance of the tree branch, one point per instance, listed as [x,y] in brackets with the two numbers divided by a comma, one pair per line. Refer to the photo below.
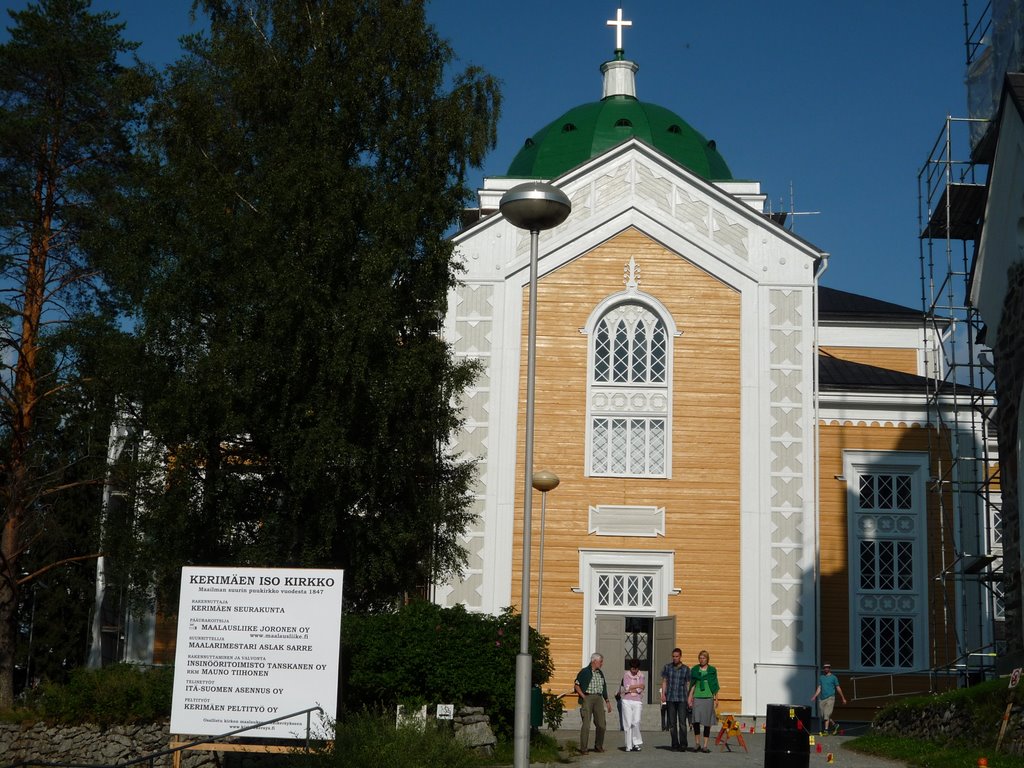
[51,566]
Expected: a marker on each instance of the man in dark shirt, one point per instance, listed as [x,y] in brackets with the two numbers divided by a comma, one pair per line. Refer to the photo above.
[675,683]
[593,693]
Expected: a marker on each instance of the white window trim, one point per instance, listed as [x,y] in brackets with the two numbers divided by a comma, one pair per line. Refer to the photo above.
[632,295]
[856,463]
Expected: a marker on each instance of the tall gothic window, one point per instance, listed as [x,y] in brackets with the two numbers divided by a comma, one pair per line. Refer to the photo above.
[629,393]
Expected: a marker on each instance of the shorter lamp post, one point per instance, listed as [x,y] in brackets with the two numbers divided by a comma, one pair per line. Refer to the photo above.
[543,481]
[533,206]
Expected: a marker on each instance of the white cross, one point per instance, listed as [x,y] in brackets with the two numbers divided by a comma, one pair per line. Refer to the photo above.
[618,23]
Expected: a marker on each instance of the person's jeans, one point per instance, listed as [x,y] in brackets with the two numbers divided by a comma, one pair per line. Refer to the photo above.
[677,723]
[592,707]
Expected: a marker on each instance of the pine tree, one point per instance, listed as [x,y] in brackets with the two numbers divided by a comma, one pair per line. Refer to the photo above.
[67,112]
[290,276]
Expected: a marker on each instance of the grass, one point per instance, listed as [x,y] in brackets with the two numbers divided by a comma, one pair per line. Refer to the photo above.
[372,741]
[978,711]
[926,754]
[543,749]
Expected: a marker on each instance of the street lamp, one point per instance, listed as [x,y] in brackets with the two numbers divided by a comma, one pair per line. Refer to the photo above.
[533,206]
[543,481]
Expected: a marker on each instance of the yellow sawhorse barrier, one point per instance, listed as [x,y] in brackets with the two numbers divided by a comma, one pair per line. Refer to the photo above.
[730,728]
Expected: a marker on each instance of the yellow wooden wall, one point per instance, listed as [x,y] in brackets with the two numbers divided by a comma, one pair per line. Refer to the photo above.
[701,499]
[893,358]
[835,608]
[165,638]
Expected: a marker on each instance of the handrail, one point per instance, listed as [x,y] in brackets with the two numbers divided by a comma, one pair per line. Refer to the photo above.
[151,758]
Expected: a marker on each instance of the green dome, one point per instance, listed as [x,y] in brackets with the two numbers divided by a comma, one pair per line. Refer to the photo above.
[589,129]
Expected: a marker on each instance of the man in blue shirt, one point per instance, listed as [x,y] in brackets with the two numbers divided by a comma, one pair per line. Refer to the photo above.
[825,693]
[675,683]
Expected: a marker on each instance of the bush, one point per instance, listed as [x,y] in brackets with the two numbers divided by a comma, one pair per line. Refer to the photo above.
[122,693]
[373,741]
[426,654]
[554,711]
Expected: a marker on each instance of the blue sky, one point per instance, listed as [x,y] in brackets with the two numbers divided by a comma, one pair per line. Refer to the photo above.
[839,100]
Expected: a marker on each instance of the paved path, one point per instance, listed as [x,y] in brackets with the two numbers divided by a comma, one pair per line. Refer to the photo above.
[656,753]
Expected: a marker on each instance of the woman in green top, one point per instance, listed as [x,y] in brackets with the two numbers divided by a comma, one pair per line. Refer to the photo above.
[703,699]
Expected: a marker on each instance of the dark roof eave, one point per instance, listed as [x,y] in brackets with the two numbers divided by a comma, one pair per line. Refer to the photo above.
[834,303]
[837,375]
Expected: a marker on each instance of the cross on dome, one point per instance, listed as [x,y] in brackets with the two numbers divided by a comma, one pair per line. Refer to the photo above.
[618,23]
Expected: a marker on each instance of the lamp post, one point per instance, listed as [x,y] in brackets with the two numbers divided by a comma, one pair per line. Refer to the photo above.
[543,481]
[533,206]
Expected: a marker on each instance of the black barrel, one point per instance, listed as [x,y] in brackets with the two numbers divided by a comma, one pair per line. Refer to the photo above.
[787,743]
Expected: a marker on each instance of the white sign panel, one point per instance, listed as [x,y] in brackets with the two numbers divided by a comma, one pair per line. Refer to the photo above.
[255,644]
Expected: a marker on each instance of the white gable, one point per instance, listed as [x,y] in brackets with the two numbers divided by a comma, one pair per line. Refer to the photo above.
[719,229]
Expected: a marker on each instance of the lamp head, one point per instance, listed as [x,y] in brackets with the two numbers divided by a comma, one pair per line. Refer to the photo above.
[535,206]
[545,481]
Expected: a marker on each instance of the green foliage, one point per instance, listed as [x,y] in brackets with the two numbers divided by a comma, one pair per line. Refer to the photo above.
[925,754]
[55,606]
[983,704]
[121,693]
[286,268]
[981,709]
[543,749]
[372,741]
[554,710]
[424,653]
[69,105]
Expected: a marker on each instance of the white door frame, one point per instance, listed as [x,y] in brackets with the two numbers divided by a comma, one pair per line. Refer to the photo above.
[595,562]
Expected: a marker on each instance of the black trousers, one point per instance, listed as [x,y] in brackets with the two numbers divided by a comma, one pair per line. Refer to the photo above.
[677,723]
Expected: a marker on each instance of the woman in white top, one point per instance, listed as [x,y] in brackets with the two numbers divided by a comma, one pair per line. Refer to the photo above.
[633,686]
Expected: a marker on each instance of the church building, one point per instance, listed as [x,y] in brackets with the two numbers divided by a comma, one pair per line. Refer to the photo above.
[743,455]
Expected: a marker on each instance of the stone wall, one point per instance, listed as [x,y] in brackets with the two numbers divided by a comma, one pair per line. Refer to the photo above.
[473,728]
[91,744]
[948,721]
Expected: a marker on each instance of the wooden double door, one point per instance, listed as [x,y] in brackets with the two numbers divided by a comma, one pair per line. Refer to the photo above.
[648,639]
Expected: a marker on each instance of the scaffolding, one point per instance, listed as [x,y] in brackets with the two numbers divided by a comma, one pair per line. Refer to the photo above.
[966,619]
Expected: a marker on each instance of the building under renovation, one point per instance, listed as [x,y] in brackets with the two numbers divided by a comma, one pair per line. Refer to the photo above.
[749,462]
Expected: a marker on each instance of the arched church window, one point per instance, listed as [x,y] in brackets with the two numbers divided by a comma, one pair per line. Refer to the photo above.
[630,345]
[629,393]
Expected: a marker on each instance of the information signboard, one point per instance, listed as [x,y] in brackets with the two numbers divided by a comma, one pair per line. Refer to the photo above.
[254,644]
